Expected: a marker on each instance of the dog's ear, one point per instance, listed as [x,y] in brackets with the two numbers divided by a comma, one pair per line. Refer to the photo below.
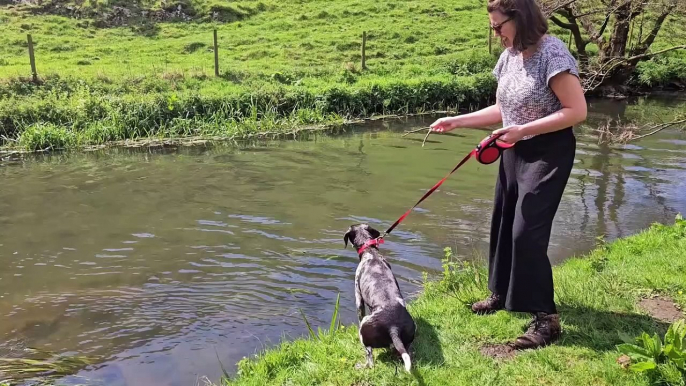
[373,232]
[346,237]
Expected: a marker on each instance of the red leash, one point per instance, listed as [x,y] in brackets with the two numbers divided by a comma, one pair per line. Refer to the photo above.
[486,152]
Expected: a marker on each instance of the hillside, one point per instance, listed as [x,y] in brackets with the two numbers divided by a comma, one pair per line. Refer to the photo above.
[112,70]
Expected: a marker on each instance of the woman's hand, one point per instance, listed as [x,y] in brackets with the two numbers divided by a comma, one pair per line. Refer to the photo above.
[511,134]
[444,124]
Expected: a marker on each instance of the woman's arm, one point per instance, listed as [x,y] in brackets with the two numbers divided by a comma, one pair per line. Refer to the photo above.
[485,117]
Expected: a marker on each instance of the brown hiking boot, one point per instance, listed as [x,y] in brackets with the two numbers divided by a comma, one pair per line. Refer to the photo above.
[543,330]
[489,305]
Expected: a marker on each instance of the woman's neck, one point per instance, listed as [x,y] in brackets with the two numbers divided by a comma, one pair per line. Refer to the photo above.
[530,51]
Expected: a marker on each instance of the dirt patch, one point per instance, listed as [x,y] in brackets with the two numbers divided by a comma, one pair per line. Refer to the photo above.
[661,308]
[498,351]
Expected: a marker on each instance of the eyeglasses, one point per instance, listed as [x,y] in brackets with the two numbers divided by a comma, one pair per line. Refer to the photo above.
[499,27]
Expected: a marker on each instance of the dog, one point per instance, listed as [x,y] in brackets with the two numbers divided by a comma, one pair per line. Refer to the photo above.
[389,324]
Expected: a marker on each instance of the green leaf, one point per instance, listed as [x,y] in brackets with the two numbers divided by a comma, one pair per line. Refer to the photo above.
[312,335]
[671,334]
[679,335]
[657,346]
[634,352]
[671,353]
[626,338]
[643,366]
[335,314]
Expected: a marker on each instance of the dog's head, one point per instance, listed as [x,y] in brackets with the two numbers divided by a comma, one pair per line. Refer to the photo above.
[359,234]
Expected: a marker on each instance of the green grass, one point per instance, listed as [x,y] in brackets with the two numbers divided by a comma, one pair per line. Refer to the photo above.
[597,295]
[281,63]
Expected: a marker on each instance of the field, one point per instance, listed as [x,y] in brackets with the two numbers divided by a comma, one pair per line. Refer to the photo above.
[112,71]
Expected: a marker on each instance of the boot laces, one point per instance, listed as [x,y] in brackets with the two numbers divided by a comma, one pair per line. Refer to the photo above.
[537,323]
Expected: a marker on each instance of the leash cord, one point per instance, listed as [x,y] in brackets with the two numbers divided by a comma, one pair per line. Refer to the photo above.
[428,193]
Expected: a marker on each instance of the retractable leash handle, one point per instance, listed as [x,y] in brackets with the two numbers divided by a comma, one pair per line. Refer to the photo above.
[490,149]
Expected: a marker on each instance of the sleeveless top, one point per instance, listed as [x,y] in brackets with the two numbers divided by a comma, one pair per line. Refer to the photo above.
[523,84]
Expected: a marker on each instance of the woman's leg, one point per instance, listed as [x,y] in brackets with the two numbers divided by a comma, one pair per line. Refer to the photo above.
[500,250]
[543,169]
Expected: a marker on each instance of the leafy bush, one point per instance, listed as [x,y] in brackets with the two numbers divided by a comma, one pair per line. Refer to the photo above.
[662,360]
[661,70]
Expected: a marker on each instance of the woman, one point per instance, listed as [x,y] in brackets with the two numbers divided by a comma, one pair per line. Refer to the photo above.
[538,100]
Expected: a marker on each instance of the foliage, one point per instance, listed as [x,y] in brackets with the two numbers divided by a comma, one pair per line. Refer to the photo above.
[622,33]
[659,357]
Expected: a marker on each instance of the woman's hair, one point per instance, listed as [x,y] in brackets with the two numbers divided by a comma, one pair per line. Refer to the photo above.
[528,18]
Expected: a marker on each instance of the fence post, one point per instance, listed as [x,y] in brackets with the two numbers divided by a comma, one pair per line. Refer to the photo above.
[32,59]
[364,50]
[216,55]
[490,39]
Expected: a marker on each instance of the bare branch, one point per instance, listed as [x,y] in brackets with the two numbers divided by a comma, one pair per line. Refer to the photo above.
[416,130]
[560,23]
[636,58]
[425,138]
[602,28]
[643,46]
[624,133]
[556,7]
[659,128]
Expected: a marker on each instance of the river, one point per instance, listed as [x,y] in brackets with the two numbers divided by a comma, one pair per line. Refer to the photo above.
[161,262]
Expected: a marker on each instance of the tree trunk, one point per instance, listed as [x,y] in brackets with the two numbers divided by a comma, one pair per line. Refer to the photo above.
[620,34]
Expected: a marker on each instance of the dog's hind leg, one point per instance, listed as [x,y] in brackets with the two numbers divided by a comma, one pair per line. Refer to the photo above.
[368,349]
[370,357]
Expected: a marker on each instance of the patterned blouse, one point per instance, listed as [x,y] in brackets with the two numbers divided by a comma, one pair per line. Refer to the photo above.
[523,84]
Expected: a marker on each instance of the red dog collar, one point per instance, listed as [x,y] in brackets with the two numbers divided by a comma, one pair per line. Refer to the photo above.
[368,244]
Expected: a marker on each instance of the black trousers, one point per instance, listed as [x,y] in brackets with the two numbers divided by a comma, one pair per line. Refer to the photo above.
[533,175]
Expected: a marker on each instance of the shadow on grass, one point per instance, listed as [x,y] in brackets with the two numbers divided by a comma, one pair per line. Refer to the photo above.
[602,330]
[426,350]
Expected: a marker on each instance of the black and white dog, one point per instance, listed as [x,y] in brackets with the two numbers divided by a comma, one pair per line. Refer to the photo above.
[389,324]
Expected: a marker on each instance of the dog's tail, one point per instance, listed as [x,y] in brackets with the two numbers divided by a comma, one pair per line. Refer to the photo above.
[398,344]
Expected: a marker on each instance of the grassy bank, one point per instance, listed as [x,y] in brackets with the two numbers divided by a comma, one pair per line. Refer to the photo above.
[116,70]
[607,297]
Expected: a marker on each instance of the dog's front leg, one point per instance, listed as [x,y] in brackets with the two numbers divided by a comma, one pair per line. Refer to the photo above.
[359,303]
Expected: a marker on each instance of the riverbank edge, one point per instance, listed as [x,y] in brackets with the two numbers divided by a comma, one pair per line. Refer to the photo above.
[92,121]
[64,120]
[603,298]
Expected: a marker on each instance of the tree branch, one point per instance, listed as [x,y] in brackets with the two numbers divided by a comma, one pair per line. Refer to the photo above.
[637,58]
[558,7]
[604,26]
[560,23]
[624,133]
[659,128]
[645,45]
